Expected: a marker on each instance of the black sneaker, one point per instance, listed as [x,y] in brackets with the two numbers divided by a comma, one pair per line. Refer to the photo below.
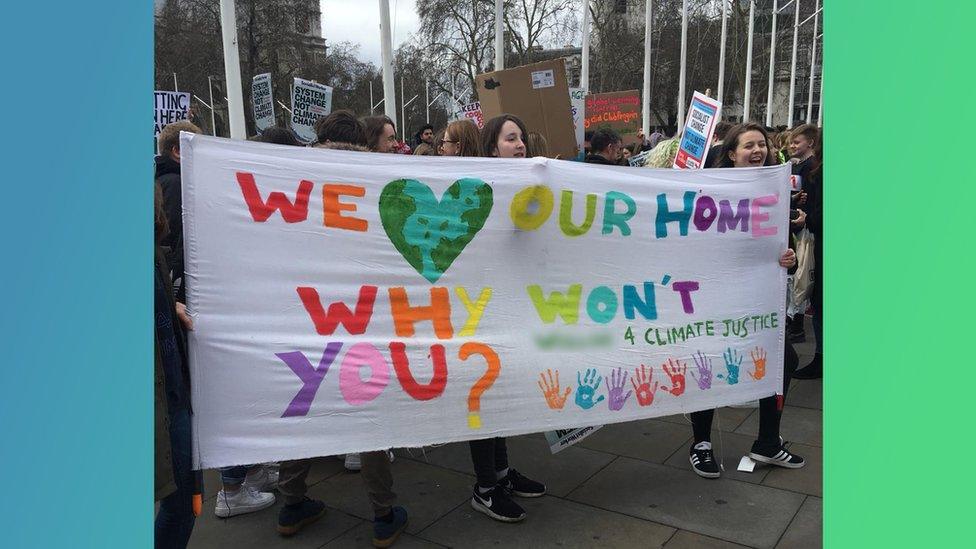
[521,486]
[776,455]
[703,462]
[293,518]
[497,505]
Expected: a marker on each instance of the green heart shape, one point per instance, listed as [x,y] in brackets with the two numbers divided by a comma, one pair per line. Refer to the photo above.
[430,234]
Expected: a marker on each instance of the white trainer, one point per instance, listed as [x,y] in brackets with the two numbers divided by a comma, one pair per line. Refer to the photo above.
[353,463]
[244,500]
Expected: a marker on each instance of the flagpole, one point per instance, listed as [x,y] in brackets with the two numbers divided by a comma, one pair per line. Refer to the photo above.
[796,28]
[746,99]
[585,65]
[232,70]
[213,115]
[721,55]
[772,66]
[646,108]
[499,36]
[386,51]
[813,63]
[684,63]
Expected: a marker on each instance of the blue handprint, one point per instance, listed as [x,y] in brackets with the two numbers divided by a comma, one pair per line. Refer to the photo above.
[586,389]
[732,362]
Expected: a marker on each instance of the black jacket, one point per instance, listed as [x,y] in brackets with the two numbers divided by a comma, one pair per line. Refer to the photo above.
[598,159]
[168,178]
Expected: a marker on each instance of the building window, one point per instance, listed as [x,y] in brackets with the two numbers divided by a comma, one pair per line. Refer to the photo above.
[620,6]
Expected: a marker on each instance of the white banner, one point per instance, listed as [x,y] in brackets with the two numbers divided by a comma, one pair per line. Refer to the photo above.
[309,102]
[262,100]
[341,304]
[169,107]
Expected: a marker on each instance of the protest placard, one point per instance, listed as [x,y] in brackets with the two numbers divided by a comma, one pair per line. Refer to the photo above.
[472,112]
[169,107]
[309,102]
[561,439]
[619,111]
[577,100]
[539,95]
[703,114]
[263,102]
[343,304]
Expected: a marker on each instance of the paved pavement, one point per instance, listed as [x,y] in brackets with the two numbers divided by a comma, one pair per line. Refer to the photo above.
[627,485]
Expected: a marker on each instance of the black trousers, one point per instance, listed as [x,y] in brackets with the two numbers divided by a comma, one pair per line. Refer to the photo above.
[769,416]
[489,456]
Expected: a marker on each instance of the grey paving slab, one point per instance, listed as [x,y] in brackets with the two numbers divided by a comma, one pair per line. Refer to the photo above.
[730,447]
[808,479]
[426,491]
[727,509]
[806,393]
[362,536]
[530,454]
[690,540]
[258,530]
[803,425]
[727,418]
[806,530]
[649,439]
[550,522]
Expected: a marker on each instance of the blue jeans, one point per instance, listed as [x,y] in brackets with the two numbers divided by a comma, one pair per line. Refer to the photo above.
[174,522]
[234,475]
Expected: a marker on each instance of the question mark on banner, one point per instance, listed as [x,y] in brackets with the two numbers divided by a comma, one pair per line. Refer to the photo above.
[484,383]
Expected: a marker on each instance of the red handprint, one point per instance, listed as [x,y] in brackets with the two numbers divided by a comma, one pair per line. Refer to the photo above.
[759,362]
[676,371]
[642,385]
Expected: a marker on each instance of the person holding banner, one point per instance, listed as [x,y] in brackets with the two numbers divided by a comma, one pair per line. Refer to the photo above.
[746,146]
[176,483]
[460,139]
[380,134]
[342,131]
[504,136]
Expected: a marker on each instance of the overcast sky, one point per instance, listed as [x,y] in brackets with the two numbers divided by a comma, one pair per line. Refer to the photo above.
[358,21]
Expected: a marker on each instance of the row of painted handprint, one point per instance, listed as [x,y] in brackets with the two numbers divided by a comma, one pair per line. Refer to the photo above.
[644,387]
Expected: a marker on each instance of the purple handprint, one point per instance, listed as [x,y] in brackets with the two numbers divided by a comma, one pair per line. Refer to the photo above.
[618,379]
[704,377]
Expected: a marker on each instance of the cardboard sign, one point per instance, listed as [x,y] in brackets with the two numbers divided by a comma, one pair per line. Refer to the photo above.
[472,112]
[577,100]
[620,111]
[263,102]
[346,301]
[309,102]
[539,95]
[699,129]
[169,107]
[564,438]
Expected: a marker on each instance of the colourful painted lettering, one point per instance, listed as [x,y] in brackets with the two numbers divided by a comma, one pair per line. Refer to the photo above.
[566,214]
[566,306]
[665,216]
[333,209]
[531,207]
[438,312]
[601,304]
[261,210]
[475,310]
[613,219]
[354,390]
[758,217]
[311,377]
[416,390]
[646,306]
[339,313]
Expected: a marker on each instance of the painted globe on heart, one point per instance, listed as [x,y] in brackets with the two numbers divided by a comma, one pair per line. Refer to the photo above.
[428,233]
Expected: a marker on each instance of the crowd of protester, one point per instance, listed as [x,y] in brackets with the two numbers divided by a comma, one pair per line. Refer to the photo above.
[498,484]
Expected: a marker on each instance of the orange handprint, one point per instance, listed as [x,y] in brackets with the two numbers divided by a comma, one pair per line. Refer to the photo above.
[642,385]
[759,361]
[550,390]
